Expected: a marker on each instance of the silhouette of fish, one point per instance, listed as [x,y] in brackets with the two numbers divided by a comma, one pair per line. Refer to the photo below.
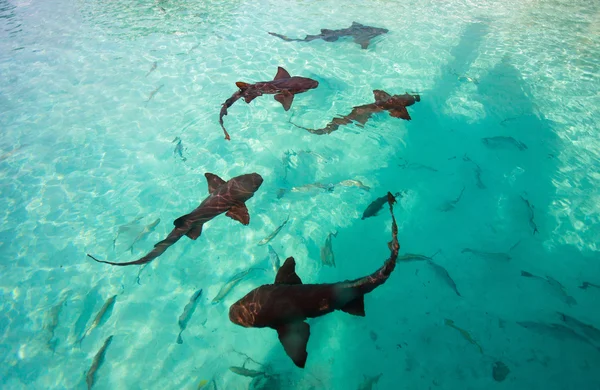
[283,86]
[395,105]
[90,378]
[362,34]
[185,316]
[225,196]
[286,304]
[375,207]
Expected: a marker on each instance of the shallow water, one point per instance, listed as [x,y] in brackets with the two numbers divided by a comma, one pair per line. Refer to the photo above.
[85,150]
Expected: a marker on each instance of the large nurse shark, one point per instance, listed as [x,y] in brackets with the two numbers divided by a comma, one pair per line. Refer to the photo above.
[286,304]
[395,105]
[362,34]
[224,197]
[283,86]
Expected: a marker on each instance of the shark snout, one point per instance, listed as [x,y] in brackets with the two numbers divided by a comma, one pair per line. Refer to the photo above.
[253,182]
[238,315]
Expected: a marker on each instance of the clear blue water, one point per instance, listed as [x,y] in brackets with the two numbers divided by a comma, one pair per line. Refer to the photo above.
[82,152]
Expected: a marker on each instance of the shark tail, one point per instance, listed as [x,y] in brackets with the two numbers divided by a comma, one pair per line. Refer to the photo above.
[228,103]
[158,250]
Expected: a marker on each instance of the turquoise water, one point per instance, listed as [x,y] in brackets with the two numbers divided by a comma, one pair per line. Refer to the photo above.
[84,151]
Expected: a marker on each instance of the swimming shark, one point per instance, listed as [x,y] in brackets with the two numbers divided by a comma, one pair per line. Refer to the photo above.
[224,197]
[395,105]
[286,304]
[283,86]
[362,34]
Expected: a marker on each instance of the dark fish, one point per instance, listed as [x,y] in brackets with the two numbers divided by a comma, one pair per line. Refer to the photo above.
[450,205]
[362,34]
[124,228]
[246,371]
[274,233]
[224,196]
[585,285]
[283,86]
[154,64]
[354,183]
[555,284]
[286,304]
[185,316]
[494,256]
[558,331]
[588,330]
[305,188]
[442,273]
[478,171]
[416,166]
[395,105]
[154,92]
[231,283]
[179,148]
[503,142]
[466,335]
[327,256]
[90,378]
[531,215]
[369,382]
[51,323]
[274,259]
[144,233]
[376,206]
[103,314]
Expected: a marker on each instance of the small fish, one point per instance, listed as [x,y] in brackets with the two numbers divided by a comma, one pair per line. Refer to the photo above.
[143,234]
[468,79]
[531,215]
[417,257]
[179,148]
[154,64]
[274,259]
[558,331]
[98,359]
[354,183]
[464,333]
[450,205]
[52,322]
[585,285]
[274,233]
[478,171]
[494,256]
[154,92]
[569,300]
[588,330]
[202,383]
[327,257]
[185,316]
[124,228]
[503,142]
[197,45]
[441,272]
[230,284]
[369,382]
[246,372]
[305,188]
[375,206]
[104,314]
[416,166]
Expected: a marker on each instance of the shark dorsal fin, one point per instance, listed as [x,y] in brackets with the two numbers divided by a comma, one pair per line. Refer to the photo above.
[287,273]
[294,337]
[355,24]
[214,181]
[381,95]
[281,74]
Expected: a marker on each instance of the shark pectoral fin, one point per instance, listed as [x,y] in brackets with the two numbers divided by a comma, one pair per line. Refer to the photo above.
[249,98]
[285,98]
[331,38]
[401,113]
[281,74]
[356,307]
[179,222]
[239,213]
[287,273]
[194,233]
[364,44]
[214,181]
[294,338]
[381,95]
[241,85]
